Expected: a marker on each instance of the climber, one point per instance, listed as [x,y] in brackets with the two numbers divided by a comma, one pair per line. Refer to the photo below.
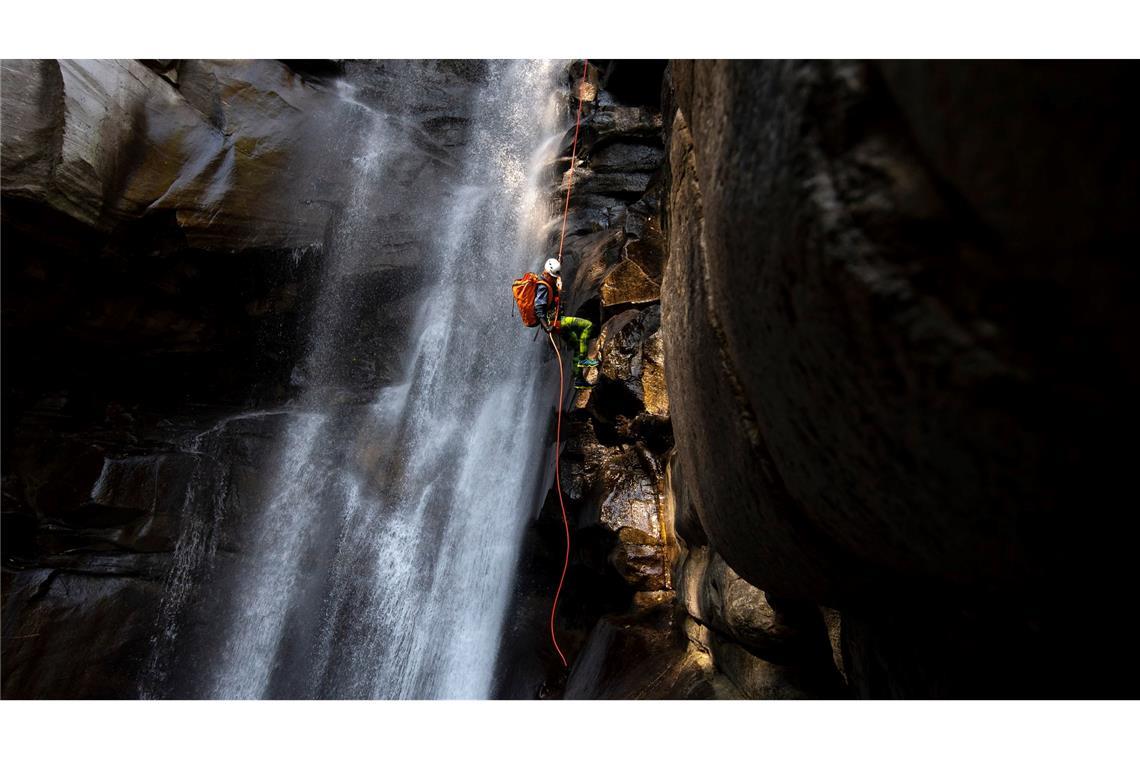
[574,330]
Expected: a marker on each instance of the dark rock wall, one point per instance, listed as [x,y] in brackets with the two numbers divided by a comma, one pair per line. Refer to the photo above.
[897,323]
[649,610]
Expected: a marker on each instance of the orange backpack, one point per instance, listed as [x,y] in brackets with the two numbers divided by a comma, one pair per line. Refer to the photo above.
[524,289]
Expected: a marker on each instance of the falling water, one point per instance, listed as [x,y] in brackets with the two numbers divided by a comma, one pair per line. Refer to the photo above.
[380,558]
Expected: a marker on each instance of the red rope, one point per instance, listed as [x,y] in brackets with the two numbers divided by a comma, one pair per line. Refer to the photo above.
[561,376]
[561,503]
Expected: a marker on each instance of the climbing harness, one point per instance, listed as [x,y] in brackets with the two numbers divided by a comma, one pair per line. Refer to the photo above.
[561,374]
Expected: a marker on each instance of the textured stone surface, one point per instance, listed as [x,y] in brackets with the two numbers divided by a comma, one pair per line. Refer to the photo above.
[629,494]
[897,320]
[756,677]
[769,648]
[239,154]
[125,142]
[76,635]
[626,158]
[836,201]
[833,619]
[642,656]
[717,596]
[631,355]
[628,283]
[97,536]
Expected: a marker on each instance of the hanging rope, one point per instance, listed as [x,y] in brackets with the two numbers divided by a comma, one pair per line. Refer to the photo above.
[561,374]
[561,503]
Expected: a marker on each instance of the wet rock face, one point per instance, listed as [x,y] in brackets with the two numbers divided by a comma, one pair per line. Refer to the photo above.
[178,212]
[240,154]
[104,141]
[110,528]
[64,620]
[686,624]
[891,370]
[633,359]
[623,472]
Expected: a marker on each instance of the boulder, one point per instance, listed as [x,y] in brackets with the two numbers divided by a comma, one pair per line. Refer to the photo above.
[608,122]
[756,677]
[641,561]
[627,283]
[618,184]
[631,354]
[716,597]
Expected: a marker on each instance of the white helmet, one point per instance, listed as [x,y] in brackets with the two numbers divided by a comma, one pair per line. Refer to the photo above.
[553,268]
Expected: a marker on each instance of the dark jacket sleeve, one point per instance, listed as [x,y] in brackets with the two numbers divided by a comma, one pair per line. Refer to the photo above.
[542,304]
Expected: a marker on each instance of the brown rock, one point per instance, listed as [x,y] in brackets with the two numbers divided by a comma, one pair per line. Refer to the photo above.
[755,677]
[643,566]
[631,496]
[628,283]
[655,394]
[612,121]
[629,352]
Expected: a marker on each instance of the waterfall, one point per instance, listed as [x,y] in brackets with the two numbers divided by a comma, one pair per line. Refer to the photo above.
[379,558]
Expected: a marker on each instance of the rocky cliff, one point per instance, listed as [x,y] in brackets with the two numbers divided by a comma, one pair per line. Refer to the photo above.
[864,342]
[650,610]
[897,321]
[891,306]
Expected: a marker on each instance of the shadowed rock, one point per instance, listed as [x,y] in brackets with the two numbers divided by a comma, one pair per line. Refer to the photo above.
[895,314]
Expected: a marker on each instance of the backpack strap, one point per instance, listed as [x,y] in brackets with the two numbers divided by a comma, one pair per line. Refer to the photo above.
[555,295]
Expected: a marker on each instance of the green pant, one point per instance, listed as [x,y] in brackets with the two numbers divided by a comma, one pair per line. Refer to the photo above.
[575,329]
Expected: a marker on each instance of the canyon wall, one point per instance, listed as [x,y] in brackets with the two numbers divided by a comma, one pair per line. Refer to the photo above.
[864,343]
[897,321]
[650,609]
[895,313]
